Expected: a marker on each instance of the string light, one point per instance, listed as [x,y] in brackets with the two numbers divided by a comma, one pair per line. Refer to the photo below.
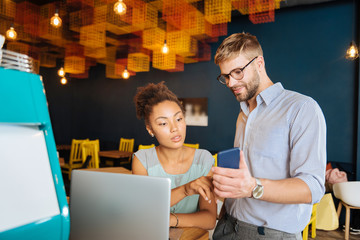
[11,33]
[63,81]
[352,52]
[61,72]
[165,48]
[125,73]
[120,7]
[56,20]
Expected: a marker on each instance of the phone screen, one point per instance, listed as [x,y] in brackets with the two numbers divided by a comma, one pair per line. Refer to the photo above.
[229,158]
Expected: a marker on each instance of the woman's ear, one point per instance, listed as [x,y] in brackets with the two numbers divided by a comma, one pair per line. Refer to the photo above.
[148,128]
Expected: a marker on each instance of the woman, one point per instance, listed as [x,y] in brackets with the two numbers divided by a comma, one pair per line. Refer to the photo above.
[188,168]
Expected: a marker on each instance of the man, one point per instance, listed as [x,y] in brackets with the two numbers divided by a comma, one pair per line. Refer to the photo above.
[282,135]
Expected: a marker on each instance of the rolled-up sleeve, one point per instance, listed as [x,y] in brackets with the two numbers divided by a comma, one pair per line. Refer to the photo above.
[308,148]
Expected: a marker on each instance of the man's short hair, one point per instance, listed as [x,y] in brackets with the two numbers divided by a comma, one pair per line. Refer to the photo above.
[236,44]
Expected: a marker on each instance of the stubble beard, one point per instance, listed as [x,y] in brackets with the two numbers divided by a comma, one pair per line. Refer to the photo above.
[251,89]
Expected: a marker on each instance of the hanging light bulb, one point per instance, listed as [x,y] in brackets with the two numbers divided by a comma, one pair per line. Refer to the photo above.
[352,52]
[125,73]
[63,81]
[61,72]
[120,7]
[165,48]
[11,33]
[56,20]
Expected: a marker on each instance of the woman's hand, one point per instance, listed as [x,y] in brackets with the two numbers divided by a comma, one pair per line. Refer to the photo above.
[202,186]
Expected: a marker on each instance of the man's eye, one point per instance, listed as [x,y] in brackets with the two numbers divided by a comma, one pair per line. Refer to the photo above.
[179,119]
[162,124]
[237,71]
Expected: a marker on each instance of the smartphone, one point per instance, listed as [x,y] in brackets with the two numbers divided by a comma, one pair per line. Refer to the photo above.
[229,158]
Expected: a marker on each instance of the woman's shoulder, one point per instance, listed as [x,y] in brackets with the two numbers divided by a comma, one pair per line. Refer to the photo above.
[147,155]
[203,151]
[204,157]
[145,151]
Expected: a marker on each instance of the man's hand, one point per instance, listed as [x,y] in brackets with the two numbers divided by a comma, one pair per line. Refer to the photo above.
[233,183]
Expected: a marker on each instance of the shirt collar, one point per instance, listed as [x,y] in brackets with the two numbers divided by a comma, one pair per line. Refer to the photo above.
[266,96]
[270,93]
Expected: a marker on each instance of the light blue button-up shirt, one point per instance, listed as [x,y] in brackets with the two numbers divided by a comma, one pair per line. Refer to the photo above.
[283,137]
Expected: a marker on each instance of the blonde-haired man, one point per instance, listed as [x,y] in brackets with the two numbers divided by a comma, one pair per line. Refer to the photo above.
[282,135]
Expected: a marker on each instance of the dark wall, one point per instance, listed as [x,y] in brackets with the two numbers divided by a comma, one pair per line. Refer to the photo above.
[304,50]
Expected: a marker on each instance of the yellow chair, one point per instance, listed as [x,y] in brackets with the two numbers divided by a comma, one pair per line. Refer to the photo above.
[195,145]
[126,145]
[91,149]
[312,222]
[146,146]
[327,218]
[75,160]
[215,157]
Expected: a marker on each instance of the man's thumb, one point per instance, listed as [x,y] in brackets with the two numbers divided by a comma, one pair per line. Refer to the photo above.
[242,163]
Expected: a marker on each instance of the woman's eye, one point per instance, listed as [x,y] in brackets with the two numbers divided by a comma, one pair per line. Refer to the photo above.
[162,124]
[179,119]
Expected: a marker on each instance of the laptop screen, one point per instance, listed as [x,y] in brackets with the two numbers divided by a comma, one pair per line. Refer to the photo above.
[119,206]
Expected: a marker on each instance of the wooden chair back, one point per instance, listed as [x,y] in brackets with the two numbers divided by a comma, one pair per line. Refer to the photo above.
[193,145]
[127,145]
[76,152]
[91,149]
[75,159]
[146,146]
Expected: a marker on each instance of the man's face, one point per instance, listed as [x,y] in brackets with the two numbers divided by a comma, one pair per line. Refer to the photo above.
[246,88]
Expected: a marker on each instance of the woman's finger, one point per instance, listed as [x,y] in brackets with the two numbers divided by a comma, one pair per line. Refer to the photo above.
[202,193]
[208,193]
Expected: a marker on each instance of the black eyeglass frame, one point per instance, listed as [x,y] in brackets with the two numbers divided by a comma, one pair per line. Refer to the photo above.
[226,76]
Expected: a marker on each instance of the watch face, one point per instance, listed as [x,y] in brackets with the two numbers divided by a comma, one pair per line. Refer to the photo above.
[258,191]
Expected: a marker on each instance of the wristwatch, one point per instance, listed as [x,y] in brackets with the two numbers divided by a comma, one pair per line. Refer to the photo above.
[258,190]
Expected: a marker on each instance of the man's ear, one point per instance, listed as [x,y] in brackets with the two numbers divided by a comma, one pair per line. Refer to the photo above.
[260,62]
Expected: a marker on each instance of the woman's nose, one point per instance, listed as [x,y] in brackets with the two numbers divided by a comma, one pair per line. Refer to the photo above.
[173,127]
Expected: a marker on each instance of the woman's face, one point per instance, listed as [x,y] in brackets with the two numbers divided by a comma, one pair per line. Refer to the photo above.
[167,123]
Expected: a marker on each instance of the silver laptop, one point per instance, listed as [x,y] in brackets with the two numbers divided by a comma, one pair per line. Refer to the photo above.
[109,206]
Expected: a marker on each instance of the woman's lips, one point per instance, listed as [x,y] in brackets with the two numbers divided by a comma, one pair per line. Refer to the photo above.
[176,138]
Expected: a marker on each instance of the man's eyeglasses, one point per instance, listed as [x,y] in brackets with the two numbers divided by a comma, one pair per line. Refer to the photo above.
[237,73]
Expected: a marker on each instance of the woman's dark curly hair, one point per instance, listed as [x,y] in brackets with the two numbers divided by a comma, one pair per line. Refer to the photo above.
[148,96]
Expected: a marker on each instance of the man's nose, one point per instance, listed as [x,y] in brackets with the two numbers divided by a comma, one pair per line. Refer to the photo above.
[232,81]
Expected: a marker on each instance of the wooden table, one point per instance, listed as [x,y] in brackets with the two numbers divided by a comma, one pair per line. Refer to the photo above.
[63,147]
[109,169]
[61,161]
[115,154]
[194,233]
[117,157]
[188,234]
[63,150]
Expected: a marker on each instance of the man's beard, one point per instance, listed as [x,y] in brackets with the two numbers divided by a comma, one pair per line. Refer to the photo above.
[251,89]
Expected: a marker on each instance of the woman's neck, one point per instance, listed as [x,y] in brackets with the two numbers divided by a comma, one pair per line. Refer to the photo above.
[175,161]
[170,156]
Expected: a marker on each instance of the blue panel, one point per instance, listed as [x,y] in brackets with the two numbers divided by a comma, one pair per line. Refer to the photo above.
[23,101]
[15,108]
[42,230]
